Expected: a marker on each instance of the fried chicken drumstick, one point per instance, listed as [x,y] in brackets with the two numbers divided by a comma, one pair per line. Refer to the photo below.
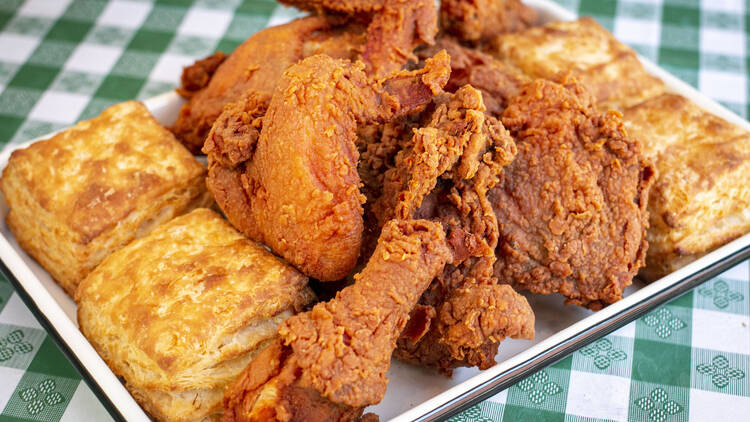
[332,361]
[289,180]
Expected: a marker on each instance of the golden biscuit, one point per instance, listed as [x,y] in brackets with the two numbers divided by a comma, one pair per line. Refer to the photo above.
[89,190]
[701,198]
[179,313]
[609,69]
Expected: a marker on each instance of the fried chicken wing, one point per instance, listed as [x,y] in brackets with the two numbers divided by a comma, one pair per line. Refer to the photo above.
[572,206]
[444,175]
[335,357]
[477,21]
[290,180]
[468,326]
[268,390]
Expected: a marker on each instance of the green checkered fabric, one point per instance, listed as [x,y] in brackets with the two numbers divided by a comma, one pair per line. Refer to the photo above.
[62,61]
[687,360]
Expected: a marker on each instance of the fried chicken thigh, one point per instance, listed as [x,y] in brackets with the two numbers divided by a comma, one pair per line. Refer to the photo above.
[334,358]
[289,180]
[572,206]
[384,42]
[255,66]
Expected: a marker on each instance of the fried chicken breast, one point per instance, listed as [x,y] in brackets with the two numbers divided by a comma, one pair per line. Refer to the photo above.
[572,206]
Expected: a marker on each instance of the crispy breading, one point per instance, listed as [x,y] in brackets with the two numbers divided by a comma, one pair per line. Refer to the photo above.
[256,65]
[572,206]
[479,21]
[394,27]
[469,325]
[498,81]
[298,191]
[443,175]
[701,198]
[385,44]
[609,69]
[342,348]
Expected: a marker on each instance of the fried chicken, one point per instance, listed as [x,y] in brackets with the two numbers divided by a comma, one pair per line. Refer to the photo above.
[444,175]
[334,359]
[395,27]
[478,21]
[289,180]
[378,145]
[256,66]
[498,81]
[385,44]
[268,390]
[572,206]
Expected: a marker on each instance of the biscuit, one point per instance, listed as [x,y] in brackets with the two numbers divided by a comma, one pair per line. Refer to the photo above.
[609,69]
[178,314]
[89,190]
[701,198]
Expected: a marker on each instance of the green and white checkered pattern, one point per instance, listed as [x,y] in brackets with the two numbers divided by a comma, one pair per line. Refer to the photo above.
[687,360]
[62,61]
[37,383]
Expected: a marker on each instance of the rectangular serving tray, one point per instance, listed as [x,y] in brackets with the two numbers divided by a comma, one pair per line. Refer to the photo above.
[413,393]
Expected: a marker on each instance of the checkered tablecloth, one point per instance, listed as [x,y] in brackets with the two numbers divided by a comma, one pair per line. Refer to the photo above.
[62,61]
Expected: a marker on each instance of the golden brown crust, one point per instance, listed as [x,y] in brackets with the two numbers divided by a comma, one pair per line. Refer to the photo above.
[256,65]
[196,76]
[609,69]
[335,357]
[394,27]
[268,390]
[572,206]
[479,21]
[444,174]
[360,326]
[498,81]
[91,189]
[298,191]
[701,197]
[146,308]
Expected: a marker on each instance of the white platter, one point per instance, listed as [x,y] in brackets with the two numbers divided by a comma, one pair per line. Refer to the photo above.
[413,393]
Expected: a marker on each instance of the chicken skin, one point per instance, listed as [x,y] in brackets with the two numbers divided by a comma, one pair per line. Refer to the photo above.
[479,21]
[498,81]
[336,356]
[444,175]
[289,179]
[384,45]
[394,27]
[256,65]
[572,206]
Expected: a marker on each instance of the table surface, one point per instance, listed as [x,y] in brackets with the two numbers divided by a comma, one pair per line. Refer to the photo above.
[62,61]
